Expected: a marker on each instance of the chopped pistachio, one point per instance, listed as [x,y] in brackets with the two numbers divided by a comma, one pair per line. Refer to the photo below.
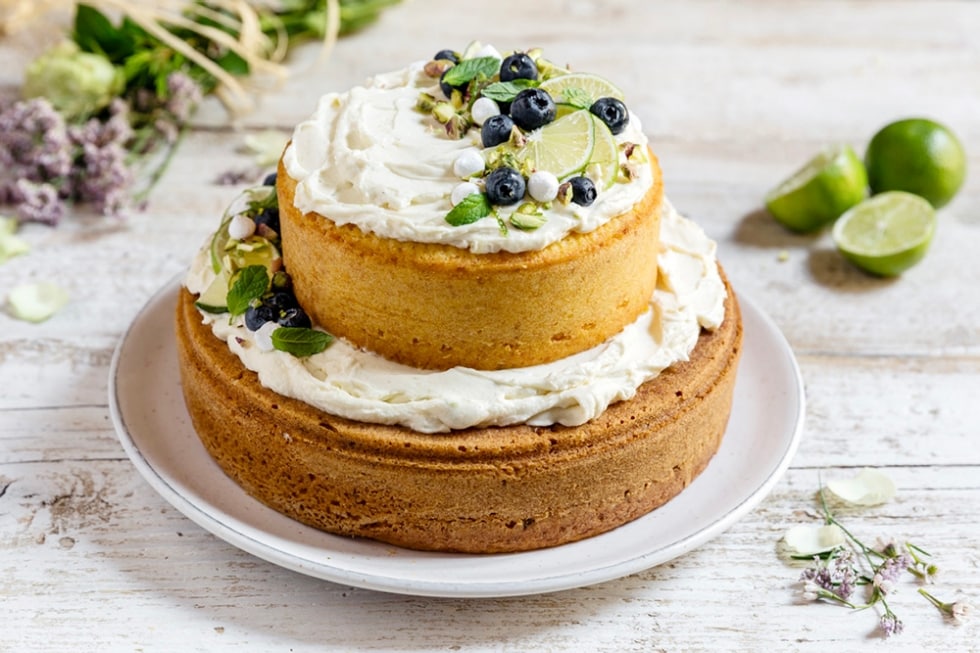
[456,126]
[565,194]
[443,112]
[426,102]
[528,216]
[437,67]
[517,137]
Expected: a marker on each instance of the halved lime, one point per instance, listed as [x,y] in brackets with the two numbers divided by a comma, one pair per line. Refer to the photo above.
[593,85]
[603,165]
[819,192]
[562,147]
[887,234]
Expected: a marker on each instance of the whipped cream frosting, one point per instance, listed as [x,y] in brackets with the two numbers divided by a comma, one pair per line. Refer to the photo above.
[353,383]
[367,157]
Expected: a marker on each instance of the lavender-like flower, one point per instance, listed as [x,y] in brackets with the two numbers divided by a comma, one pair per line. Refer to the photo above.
[103,178]
[183,96]
[34,146]
[891,624]
[38,202]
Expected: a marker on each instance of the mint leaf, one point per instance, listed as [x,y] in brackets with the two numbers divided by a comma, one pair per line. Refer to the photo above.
[469,69]
[507,91]
[577,98]
[250,283]
[472,208]
[300,341]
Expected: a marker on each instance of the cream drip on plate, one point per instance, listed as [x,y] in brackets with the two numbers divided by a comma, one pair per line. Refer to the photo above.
[368,157]
[353,383]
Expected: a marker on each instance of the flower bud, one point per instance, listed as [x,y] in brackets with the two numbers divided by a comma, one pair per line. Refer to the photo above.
[76,83]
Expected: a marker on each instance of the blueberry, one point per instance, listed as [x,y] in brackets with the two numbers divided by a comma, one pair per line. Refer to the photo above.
[532,108]
[270,179]
[518,66]
[448,89]
[496,130]
[280,301]
[612,112]
[294,317]
[268,217]
[583,190]
[448,55]
[256,316]
[505,186]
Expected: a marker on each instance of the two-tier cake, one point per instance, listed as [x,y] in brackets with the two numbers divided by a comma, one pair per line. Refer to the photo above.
[463,316]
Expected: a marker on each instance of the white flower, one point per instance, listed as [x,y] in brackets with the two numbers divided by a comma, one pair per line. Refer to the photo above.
[960,611]
[806,539]
[36,302]
[870,487]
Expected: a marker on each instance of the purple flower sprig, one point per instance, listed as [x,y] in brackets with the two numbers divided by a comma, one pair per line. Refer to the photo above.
[835,576]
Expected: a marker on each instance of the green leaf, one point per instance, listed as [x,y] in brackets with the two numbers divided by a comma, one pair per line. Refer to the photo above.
[94,32]
[470,69]
[507,91]
[300,341]
[577,98]
[250,283]
[233,63]
[472,208]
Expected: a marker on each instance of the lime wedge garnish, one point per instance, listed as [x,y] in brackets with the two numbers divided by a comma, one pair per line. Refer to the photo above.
[886,234]
[604,163]
[562,147]
[218,243]
[819,192]
[594,87]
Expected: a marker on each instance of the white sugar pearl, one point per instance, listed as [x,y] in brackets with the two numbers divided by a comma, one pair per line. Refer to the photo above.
[488,51]
[542,186]
[263,337]
[484,108]
[469,162]
[241,227]
[462,191]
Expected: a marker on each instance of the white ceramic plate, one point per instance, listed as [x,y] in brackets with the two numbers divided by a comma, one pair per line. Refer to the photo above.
[155,429]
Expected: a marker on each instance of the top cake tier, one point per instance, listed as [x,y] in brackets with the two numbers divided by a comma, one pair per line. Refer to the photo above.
[411,231]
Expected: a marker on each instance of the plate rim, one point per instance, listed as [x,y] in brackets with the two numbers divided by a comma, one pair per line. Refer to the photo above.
[236,533]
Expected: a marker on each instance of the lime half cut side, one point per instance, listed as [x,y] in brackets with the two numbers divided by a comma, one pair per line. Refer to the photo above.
[887,234]
[593,86]
[563,147]
[818,193]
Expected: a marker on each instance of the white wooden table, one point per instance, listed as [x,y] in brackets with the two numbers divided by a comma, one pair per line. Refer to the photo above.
[734,96]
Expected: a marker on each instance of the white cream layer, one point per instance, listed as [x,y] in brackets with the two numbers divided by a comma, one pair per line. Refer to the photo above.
[368,157]
[360,385]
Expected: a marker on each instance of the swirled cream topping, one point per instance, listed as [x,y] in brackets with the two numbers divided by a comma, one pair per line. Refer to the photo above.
[368,157]
[350,382]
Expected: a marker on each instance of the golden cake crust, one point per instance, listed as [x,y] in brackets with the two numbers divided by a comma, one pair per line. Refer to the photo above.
[477,490]
[437,306]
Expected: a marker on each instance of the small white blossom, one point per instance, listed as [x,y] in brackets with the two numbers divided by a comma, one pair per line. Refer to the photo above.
[960,611]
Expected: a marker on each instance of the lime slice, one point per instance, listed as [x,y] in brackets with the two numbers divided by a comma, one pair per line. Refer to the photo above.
[214,299]
[562,147]
[886,234]
[819,192]
[604,163]
[593,85]
[219,242]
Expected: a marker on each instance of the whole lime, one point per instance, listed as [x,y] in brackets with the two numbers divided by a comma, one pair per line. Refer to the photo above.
[919,156]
